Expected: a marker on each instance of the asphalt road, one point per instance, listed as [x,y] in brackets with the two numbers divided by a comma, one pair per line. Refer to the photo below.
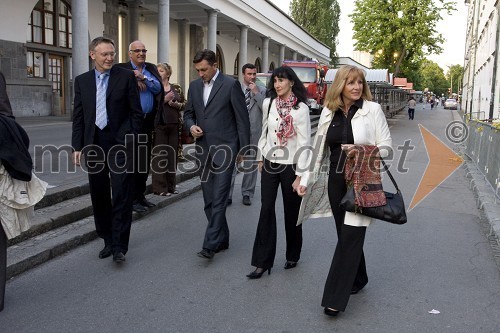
[440,260]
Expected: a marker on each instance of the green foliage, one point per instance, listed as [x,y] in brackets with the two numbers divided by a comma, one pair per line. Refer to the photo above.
[320,18]
[454,77]
[398,33]
[432,77]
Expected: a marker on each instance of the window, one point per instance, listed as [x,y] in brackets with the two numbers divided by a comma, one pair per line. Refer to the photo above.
[65,33]
[35,64]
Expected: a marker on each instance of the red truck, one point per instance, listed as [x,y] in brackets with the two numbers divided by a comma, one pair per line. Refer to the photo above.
[312,74]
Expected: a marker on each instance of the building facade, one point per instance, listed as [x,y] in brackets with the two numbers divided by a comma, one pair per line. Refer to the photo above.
[481,88]
[44,43]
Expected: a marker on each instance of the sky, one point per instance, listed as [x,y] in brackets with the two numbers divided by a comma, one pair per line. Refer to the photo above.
[452,28]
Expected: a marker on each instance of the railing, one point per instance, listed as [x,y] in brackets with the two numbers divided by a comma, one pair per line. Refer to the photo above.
[483,148]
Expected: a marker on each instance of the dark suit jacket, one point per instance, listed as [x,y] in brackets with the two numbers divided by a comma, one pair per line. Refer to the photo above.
[122,105]
[158,99]
[5,107]
[224,120]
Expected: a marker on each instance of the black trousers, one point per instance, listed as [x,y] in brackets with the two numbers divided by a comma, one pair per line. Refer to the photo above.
[164,159]
[143,157]
[111,184]
[3,265]
[411,113]
[348,269]
[264,248]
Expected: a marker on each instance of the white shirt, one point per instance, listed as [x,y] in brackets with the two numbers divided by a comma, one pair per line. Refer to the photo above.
[207,87]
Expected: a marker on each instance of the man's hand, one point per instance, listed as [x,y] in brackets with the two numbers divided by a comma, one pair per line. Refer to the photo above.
[196,131]
[254,88]
[239,158]
[260,166]
[77,156]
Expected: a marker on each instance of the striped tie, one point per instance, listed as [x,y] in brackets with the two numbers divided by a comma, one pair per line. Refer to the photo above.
[101,118]
[248,96]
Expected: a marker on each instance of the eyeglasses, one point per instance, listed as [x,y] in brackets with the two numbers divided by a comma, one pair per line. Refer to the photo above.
[139,50]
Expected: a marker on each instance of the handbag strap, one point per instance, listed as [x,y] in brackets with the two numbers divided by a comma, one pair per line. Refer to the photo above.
[389,174]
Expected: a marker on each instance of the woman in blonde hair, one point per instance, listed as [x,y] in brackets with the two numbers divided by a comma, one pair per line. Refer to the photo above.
[349,117]
[166,135]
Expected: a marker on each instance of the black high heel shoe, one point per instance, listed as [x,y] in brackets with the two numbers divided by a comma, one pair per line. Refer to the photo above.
[258,275]
[331,312]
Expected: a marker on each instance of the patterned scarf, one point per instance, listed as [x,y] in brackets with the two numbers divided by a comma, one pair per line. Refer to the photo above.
[362,170]
[285,128]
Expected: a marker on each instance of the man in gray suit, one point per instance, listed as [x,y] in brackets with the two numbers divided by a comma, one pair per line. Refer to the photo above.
[254,96]
[217,117]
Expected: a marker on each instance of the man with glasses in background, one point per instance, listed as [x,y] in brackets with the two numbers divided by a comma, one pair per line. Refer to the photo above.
[107,115]
[151,95]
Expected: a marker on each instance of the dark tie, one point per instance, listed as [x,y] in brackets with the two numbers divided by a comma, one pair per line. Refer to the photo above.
[248,96]
[101,117]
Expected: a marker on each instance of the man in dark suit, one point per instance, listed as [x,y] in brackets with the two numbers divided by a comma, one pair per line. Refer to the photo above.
[217,117]
[151,97]
[254,96]
[106,119]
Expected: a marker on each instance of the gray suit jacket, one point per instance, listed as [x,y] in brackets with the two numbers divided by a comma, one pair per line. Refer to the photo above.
[224,120]
[255,114]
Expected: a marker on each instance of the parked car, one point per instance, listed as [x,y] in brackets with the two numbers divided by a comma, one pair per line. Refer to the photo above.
[451,104]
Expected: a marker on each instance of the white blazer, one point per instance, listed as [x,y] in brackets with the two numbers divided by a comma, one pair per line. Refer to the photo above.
[369,127]
[292,153]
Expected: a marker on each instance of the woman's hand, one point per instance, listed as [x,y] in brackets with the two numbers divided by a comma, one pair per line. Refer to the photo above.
[170,96]
[301,190]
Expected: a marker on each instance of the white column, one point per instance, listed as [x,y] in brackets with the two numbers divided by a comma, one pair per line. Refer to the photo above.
[163,30]
[133,10]
[243,59]
[294,55]
[181,58]
[80,27]
[265,54]
[212,29]
[282,54]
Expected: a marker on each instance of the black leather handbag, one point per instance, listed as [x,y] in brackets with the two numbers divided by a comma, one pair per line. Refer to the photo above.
[393,211]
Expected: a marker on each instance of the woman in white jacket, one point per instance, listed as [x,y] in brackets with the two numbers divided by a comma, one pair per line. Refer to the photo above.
[349,117]
[286,128]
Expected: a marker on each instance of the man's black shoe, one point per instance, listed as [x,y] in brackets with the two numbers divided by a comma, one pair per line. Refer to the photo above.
[206,253]
[137,207]
[146,203]
[118,257]
[229,202]
[222,247]
[106,252]
[246,200]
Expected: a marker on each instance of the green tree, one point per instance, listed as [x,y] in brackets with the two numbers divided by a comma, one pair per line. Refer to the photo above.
[320,18]
[433,78]
[398,33]
[454,77]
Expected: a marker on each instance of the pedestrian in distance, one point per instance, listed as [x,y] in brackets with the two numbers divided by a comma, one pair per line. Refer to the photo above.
[411,108]
[166,141]
[217,117]
[151,99]
[254,96]
[349,117]
[286,130]
[107,117]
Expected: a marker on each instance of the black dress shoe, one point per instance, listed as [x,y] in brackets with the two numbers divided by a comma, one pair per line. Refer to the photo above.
[206,253]
[246,200]
[146,203]
[222,247]
[229,202]
[118,257]
[290,264]
[355,290]
[106,252]
[331,312]
[137,207]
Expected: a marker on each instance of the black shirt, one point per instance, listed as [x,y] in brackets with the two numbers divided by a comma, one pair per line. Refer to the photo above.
[340,132]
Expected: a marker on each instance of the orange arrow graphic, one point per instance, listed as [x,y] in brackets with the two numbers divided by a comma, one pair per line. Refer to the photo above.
[443,161]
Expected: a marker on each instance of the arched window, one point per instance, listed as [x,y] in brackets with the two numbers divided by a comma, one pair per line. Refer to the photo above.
[257,65]
[271,66]
[219,56]
[237,64]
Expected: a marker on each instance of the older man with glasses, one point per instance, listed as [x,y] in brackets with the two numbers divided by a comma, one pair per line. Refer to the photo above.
[151,95]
